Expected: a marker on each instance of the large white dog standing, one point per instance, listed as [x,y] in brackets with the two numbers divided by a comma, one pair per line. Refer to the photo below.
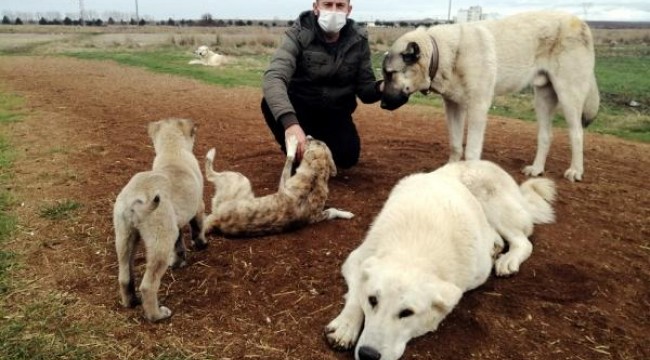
[468,64]
[435,238]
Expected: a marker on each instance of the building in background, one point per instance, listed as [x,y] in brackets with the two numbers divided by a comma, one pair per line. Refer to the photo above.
[474,13]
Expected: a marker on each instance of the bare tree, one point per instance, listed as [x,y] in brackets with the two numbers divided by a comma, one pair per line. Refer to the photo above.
[585,7]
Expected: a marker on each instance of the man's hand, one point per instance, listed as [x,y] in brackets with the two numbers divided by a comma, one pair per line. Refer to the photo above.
[296,130]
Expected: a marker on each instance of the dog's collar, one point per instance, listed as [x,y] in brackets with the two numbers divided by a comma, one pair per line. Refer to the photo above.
[433,65]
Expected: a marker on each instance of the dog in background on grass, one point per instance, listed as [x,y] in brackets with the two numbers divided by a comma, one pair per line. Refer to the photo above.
[153,207]
[207,57]
[437,236]
[300,199]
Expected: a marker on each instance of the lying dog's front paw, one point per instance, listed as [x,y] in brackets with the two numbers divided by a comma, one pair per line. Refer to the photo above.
[341,335]
[506,265]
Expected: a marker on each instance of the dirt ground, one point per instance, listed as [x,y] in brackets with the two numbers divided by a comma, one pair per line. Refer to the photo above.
[583,294]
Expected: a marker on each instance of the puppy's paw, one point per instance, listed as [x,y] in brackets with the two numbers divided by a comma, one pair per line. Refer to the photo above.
[199,244]
[210,155]
[131,302]
[178,263]
[532,170]
[341,334]
[162,314]
[333,213]
[507,265]
[573,174]
[292,146]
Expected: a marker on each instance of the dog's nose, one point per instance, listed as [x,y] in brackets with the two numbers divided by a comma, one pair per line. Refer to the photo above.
[393,101]
[368,353]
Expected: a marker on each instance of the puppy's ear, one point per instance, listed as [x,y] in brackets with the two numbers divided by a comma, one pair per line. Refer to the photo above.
[187,127]
[411,54]
[445,296]
[153,129]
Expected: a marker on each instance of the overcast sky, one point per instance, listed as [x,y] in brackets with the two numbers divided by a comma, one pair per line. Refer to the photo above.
[363,10]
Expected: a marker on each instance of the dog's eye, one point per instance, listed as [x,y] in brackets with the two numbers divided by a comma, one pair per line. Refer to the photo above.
[372,300]
[405,313]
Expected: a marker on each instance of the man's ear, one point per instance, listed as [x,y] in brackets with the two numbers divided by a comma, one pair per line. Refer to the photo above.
[187,127]
[445,296]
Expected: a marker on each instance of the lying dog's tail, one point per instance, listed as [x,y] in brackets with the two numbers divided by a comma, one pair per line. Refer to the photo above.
[539,194]
[209,167]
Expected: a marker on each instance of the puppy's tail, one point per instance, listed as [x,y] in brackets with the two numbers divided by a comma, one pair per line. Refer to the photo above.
[144,205]
[539,193]
[209,167]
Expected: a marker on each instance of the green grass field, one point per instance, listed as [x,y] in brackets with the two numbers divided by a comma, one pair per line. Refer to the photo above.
[31,330]
[246,72]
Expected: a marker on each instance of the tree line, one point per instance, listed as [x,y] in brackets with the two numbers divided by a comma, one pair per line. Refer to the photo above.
[205,20]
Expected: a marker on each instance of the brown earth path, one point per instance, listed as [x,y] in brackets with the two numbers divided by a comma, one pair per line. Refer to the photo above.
[584,293]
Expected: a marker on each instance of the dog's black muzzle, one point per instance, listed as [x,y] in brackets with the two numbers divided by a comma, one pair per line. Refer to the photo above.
[393,101]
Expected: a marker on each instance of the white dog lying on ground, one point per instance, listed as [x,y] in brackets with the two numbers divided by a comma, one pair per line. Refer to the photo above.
[300,199]
[207,57]
[435,238]
[153,207]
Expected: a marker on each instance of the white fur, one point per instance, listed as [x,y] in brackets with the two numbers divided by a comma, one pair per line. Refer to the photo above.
[553,51]
[207,57]
[300,199]
[434,239]
[153,207]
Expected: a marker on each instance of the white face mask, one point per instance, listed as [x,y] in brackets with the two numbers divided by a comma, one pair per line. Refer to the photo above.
[331,21]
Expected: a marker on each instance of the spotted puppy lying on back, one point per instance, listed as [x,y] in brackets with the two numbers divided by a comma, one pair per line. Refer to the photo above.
[300,199]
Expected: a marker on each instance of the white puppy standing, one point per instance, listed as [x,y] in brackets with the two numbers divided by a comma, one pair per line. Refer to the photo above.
[153,207]
[434,239]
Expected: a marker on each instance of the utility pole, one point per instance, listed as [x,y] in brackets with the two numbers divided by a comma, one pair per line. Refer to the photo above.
[137,16]
[585,8]
[449,12]
[81,13]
